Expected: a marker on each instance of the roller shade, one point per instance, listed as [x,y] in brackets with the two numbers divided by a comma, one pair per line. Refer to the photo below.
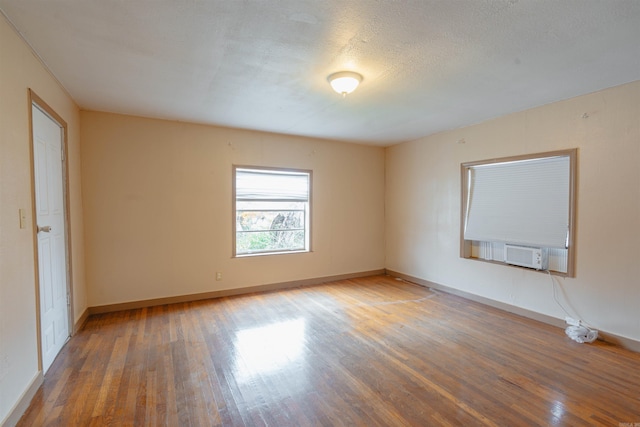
[522,202]
[257,185]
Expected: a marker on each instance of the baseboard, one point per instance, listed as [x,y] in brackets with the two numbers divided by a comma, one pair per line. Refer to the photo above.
[23,403]
[228,292]
[81,321]
[624,342]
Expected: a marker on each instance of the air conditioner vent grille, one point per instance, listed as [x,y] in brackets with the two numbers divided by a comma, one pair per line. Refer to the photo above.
[525,256]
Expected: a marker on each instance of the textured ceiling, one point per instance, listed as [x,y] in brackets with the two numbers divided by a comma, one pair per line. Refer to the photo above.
[428,66]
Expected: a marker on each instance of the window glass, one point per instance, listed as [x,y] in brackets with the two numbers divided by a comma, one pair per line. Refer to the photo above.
[271,210]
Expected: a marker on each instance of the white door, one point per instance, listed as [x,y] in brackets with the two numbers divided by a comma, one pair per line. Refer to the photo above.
[50,218]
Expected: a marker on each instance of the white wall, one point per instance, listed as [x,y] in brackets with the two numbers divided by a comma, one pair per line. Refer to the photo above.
[20,70]
[423,207]
[158,207]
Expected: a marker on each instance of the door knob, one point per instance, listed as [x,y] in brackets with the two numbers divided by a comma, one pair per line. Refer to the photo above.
[44,228]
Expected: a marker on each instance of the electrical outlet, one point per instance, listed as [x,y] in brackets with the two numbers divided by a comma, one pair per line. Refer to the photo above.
[571,321]
[218,275]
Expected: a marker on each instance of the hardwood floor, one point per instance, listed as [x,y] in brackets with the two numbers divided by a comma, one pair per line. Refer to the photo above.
[369,352]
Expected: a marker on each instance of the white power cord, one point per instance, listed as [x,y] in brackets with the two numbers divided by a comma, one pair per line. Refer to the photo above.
[576,330]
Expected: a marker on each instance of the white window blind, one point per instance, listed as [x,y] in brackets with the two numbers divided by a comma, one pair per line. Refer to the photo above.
[521,202]
[253,184]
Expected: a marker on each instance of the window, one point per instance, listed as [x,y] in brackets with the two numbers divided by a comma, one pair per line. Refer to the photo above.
[272,210]
[525,201]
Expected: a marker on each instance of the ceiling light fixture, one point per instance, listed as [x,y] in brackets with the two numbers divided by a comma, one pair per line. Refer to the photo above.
[344,82]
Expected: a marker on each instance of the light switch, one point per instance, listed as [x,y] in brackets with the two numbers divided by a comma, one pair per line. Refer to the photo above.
[23,218]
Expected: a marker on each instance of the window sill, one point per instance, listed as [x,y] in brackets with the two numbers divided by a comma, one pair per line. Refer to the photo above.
[256,254]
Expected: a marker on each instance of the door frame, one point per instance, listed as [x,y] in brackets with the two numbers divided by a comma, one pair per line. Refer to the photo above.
[35,100]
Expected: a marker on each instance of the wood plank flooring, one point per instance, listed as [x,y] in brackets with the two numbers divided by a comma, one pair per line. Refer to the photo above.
[364,352]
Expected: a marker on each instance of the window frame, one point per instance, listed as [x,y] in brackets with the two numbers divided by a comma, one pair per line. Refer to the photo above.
[572,154]
[308,219]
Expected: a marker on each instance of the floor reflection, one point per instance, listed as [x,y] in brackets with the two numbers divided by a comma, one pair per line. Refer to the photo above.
[557,413]
[271,349]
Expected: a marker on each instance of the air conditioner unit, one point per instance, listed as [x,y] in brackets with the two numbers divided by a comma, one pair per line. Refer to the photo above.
[526,256]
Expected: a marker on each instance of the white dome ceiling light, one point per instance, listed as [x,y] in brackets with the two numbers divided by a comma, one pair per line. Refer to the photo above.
[344,82]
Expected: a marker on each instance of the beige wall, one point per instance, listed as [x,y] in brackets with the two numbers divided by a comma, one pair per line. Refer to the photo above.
[158,211]
[20,70]
[423,207]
